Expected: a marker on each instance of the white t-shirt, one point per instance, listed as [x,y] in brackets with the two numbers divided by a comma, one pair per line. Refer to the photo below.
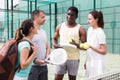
[95,63]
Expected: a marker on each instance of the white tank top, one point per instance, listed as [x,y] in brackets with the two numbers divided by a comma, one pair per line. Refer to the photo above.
[65,34]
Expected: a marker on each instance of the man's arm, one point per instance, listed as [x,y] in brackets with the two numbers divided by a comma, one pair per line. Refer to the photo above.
[47,49]
[55,37]
[82,35]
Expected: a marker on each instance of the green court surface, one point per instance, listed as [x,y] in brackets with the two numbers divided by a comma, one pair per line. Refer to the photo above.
[112,60]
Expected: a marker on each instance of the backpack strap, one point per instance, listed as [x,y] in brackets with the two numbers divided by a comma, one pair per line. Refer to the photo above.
[30,53]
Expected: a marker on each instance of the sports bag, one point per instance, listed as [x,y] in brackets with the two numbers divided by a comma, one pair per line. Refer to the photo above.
[8,59]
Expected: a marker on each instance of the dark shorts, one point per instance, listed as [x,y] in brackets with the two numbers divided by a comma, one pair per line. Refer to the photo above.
[38,73]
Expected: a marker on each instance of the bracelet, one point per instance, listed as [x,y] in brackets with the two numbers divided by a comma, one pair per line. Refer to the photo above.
[34,60]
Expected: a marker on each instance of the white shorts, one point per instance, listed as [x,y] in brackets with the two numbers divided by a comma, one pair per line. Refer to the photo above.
[71,66]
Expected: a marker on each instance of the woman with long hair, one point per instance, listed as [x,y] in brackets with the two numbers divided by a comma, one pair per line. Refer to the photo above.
[95,61]
[25,32]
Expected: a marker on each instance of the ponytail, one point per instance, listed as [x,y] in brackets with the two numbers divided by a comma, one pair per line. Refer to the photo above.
[100,21]
[18,34]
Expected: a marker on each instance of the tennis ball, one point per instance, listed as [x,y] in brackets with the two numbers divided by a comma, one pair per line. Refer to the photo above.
[81,45]
[85,46]
[71,40]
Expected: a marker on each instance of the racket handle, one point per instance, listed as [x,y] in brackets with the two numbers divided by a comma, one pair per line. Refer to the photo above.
[47,59]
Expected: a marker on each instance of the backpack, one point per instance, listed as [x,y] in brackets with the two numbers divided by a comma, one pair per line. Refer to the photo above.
[8,59]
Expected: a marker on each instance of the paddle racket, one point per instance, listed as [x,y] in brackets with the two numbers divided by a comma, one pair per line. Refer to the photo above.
[67,45]
[57,57]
